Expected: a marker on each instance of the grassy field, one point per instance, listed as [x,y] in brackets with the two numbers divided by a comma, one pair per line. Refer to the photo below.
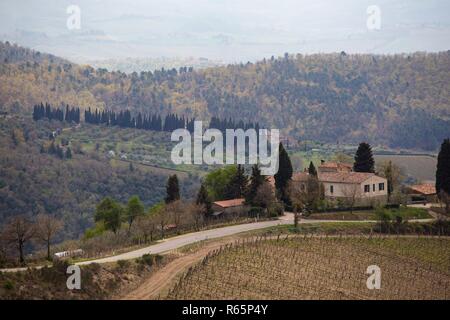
[149,148]
[321,268]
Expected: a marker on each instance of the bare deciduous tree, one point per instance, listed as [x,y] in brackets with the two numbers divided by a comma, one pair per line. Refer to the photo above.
[19,231]
[196,213]
[393,175]
[46,228]
[146,226]
[175,211]
[351,193]
[163,219]
[298,195]
[265,195]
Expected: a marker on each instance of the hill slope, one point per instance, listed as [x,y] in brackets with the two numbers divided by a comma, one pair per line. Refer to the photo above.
[399,100]
[33,181]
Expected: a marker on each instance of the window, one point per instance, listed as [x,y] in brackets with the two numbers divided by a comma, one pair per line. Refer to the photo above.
[367,188]
[381,186]
[331,189]
[373,187]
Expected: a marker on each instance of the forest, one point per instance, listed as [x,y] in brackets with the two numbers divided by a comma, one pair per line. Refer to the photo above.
[399,101]
[36,180]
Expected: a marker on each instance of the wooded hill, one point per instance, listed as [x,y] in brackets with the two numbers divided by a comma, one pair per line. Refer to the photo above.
[34,179]
[398,100]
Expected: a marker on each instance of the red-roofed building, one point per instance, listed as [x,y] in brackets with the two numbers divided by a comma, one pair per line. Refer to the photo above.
[421,193]
[234,206]
[340,182]
[331,166]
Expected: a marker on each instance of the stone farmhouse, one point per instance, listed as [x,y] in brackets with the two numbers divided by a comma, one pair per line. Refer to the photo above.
[340,182]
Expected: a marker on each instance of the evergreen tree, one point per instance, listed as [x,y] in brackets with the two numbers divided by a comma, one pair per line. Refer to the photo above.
[67,116]
[443,168]
[364,161]
[172,189]
[312,169]
[238,184]
[256,180]
[204,200]
[284,175]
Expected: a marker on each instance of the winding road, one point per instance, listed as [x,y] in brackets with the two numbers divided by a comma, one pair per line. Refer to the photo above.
[190,238]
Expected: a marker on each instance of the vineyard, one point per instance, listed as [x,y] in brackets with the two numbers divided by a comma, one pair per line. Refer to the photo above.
[308,267]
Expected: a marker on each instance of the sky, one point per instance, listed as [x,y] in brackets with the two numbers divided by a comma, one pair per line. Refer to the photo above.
[226,30]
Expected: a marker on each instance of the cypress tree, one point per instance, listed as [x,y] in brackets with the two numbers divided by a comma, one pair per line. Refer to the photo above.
[312,169]
[67,115]
[443,168]
[172,189]
[256,180]
[238,184]
[204,200]
[284,175]
[364,161]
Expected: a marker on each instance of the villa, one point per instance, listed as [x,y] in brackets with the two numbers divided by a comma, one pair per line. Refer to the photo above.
[340,182]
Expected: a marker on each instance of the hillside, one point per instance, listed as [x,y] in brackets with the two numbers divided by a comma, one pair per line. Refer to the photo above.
[33,181]
[400,101]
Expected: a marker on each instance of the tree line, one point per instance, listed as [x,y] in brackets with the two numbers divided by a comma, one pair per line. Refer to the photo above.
[126,119]
[155,122]
[70,115]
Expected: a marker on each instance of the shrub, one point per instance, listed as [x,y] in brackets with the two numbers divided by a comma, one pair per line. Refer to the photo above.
[276,209]
[8,285]
[123,264]
[95,231]
[255,212]
[150,259]
[95,267]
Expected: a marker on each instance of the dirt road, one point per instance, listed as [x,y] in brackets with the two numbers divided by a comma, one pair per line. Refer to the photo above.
[160,282]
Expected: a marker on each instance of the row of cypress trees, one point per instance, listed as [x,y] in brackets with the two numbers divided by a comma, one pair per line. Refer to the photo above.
[70,115]
[125,119]
[156,123]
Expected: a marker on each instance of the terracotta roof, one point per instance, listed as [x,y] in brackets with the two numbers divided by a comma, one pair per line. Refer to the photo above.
[230,203]
[344,177]
[300,176]
[424,188]
[336,165]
